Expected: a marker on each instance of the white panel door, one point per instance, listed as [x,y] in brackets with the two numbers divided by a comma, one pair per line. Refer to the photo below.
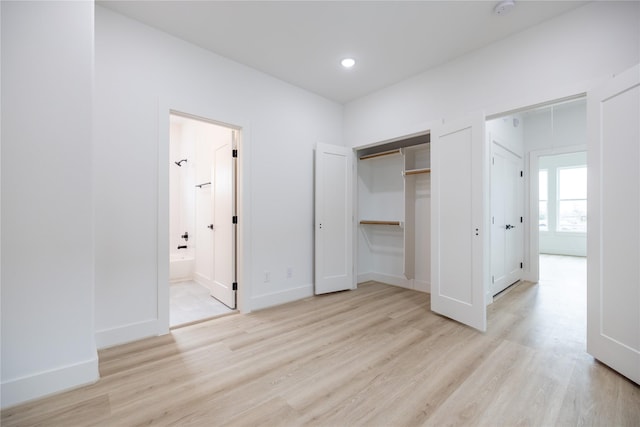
[223,229]
[613,247]
[333,219]
[507,230]
[458,221]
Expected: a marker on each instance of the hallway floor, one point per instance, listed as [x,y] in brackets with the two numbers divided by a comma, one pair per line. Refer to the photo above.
[191,302]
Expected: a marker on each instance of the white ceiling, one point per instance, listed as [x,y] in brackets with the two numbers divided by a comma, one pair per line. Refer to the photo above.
[302,42]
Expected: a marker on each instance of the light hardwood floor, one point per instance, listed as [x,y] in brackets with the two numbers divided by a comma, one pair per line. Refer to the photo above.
[375,356]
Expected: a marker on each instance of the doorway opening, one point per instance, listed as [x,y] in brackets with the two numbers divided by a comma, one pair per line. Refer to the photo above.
[202,219]
[550,216]
[562,226]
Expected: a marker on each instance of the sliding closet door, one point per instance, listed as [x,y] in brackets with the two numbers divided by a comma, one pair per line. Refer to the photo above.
[459,235]
[334,219]
[613,248]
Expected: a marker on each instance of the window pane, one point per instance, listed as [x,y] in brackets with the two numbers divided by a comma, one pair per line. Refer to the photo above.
[572,183]
[572,215]
[543,184]
[543,220]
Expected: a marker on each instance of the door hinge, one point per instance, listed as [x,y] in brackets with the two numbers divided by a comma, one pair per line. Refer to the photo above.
[493,279]
[493,160]
[521,265]
[234,219]
[234,286]
[521,173]
[234,153]
[520,219]
[493,220]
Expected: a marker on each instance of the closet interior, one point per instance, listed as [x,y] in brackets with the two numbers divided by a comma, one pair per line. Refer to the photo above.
[394,213]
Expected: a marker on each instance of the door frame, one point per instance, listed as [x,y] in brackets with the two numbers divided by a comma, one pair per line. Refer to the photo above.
[243,202]
[532,258]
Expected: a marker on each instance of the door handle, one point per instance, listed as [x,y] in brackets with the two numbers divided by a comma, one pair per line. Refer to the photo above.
[210,226]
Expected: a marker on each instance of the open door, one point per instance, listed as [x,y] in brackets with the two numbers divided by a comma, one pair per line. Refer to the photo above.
[459,242]
[613,247]
[333,219]
[223,194]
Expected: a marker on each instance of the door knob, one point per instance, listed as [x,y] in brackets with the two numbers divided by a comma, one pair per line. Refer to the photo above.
[210,226]
[509,226]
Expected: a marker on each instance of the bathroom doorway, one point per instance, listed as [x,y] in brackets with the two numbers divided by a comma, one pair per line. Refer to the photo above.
[202,219]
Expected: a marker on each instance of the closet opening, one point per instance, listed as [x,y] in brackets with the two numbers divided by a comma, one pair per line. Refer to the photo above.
[202,219]
[394,212]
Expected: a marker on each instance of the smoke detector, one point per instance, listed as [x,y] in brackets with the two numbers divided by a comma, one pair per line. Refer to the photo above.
[503,7]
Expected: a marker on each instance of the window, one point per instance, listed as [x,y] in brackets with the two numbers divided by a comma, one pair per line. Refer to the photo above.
[572,199]
[543,205]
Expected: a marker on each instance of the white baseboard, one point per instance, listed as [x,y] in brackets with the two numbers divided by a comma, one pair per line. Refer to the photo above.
[127,333]
[42,384]
[401,281]
[365,277]
[282,297]
[422,286]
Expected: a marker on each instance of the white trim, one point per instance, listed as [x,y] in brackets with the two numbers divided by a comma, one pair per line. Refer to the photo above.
[282,297]
[127,333]
[54,381]
[399,281]
[418,285]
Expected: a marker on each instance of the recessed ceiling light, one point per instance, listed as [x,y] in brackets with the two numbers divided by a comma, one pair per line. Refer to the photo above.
[348,62]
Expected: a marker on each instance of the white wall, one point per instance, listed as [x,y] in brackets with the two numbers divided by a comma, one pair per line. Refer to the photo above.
[139,68]
[568,54]
[47,222]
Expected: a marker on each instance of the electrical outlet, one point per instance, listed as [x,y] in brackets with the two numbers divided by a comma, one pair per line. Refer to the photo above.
[289,272]
[267,276]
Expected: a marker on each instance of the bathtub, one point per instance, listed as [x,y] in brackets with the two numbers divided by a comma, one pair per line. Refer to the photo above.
[181,266]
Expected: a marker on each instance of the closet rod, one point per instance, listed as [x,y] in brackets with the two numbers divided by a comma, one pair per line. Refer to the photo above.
[417,171]
[380,222]
[383,153]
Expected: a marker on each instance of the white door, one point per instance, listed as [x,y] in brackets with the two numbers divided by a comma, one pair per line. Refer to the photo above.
[333,219]
[613,247]
[223,227]
[507,230]
[459,223]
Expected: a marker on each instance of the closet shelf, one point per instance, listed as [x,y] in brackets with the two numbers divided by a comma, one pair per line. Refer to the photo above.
[383,153]
[416,171]
[371,222]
